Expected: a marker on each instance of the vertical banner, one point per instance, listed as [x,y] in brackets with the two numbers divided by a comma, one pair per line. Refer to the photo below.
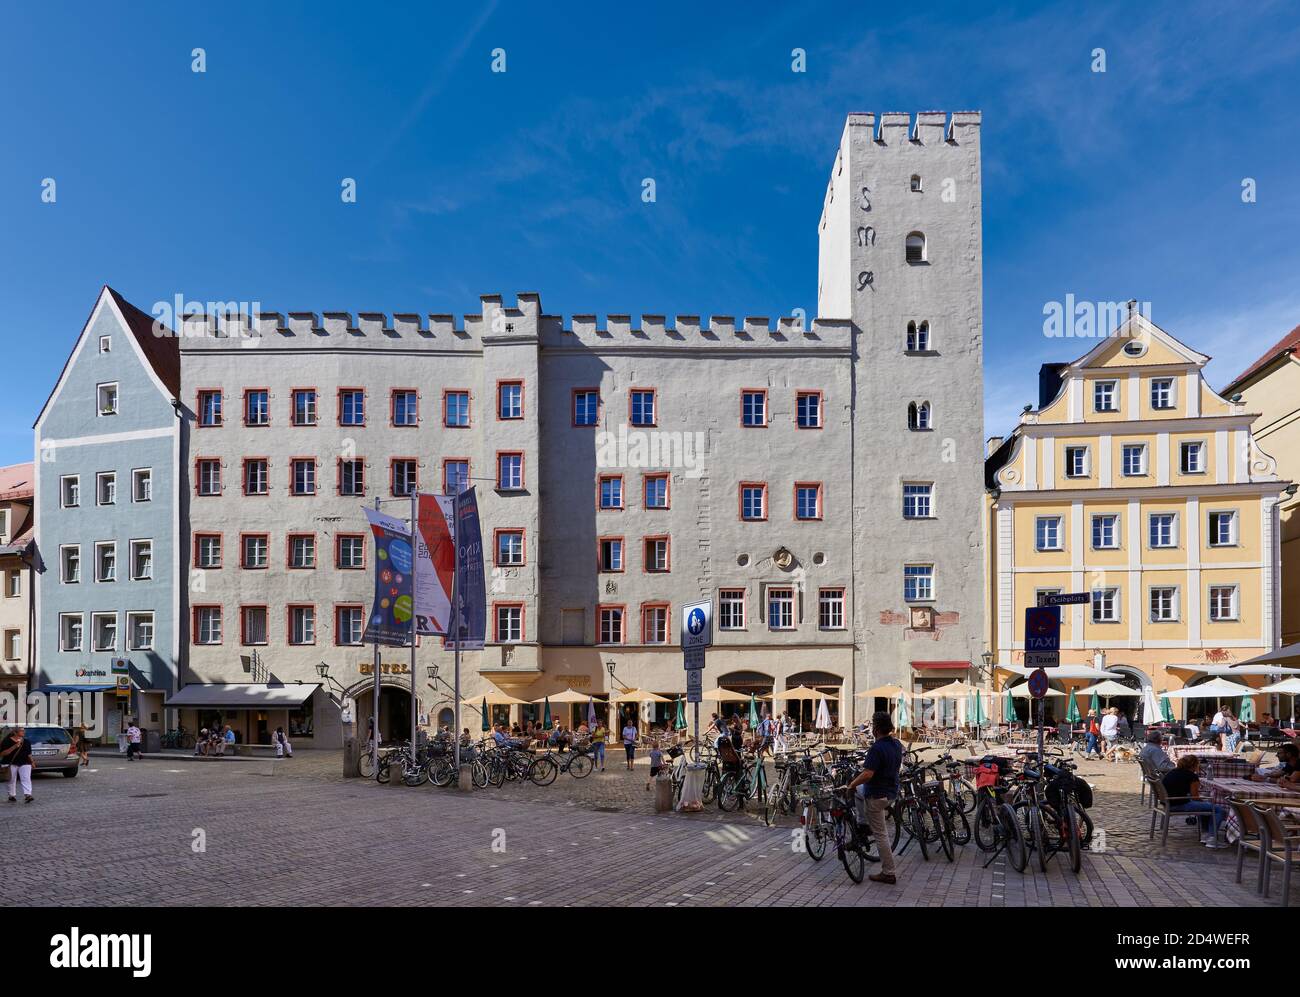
[389,622]
[437,563]
[471,588]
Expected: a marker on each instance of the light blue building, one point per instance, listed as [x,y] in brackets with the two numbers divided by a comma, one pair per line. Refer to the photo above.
[108,450]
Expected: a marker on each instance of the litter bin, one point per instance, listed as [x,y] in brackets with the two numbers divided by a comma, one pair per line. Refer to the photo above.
[663,792]
[152,741]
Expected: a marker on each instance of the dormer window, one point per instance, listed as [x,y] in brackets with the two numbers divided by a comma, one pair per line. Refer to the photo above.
[916,248]
[916,183]
[106,399]
[1135,348]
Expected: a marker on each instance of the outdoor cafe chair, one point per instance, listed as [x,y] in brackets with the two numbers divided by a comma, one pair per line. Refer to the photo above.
[1281,844]
[1162,810]
[1250,839]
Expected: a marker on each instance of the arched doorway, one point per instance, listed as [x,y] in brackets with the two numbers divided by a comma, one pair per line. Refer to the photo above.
[394,710]
[1131,706]
[827,683]
[751,684]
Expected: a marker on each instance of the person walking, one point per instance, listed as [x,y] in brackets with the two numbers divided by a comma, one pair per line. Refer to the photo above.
[83,746]
[598,737]
[132,742]
[878,783]
[16,752]
[629,741]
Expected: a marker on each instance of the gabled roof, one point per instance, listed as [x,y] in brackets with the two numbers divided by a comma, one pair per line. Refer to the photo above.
[159,344]
[159,350]
[1138,326]
[1290,343]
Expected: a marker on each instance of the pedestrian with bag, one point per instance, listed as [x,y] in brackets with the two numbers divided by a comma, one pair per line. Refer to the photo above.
[16,760]
[878,783]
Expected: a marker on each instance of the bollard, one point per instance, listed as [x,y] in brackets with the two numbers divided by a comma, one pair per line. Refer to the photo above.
[351,769]
[465,779]
[663,792]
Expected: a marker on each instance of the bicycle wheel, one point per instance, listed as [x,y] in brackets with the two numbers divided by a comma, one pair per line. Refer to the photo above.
[441,772]
[1039,836]
[1085,822]
[580,767]
[383,772]
[814,833]
[478,773]
[497,772]
[366,765]
[959,825]
[519,766]
[1073,844]
[543,770]
[730,795]
[986,819]
[941,821]
[710,790]
[916,828]
[964,793]
[1011,834]
[850,851]
[414,774]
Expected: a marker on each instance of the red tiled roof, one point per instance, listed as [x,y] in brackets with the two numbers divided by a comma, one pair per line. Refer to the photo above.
[1288,343]
[161,348]
[16,481]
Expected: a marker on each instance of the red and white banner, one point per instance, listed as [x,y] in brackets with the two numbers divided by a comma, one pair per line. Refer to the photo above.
[436,564]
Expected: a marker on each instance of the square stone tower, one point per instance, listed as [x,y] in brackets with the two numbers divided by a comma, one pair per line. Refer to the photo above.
[901,256]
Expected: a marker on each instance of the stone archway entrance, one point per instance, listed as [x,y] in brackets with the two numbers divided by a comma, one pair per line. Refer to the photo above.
[394,710]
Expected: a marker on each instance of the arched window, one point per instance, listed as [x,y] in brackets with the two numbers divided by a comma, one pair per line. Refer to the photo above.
[918,416]
[916,182]
[916,247]
[918,337]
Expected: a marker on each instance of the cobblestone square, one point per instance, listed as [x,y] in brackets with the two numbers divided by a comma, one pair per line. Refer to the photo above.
[295,832]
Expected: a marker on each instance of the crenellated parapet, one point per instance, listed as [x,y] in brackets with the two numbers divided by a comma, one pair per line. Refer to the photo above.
[495,322]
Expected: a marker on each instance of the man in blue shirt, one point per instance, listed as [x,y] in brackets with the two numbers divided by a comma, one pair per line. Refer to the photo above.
[764,735]
[878,782]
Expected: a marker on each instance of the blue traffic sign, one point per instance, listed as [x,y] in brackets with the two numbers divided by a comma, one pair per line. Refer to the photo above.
[1042,628]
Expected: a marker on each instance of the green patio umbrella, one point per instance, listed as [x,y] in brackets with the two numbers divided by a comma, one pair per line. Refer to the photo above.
[1009,707]
[487,726]
[1247,712]
[1072,710]
[901,718]
[680,722]
[1094,704]
[546,716]
[753,711]
[978,714]
[1167,710]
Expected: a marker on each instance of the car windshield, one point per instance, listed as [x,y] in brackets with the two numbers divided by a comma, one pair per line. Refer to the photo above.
[48,735]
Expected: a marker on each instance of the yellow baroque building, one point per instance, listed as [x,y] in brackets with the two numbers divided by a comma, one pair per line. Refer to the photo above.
[1134,481]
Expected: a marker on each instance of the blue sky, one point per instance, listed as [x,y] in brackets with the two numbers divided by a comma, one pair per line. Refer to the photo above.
[225,185]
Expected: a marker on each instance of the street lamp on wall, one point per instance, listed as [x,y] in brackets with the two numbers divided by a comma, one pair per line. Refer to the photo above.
[987,658]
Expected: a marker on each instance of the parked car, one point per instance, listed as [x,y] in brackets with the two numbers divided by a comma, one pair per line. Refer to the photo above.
[52,749]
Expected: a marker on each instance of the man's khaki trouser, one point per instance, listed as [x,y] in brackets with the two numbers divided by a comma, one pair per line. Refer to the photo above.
[876,821]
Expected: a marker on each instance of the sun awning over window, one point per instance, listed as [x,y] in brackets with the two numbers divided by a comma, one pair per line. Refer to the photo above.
[242,695]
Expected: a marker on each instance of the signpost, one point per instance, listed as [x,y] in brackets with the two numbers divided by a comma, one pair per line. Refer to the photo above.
[697,634]
[1042,650]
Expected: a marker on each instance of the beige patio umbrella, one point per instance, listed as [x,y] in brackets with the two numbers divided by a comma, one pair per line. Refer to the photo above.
[1107,690]
[720,695]
[801,692]
[1021,691]
[884,692]
[639,696]
[494,698]
[953,690]
[567,696]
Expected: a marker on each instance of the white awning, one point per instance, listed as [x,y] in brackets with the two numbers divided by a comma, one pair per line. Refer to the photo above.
[242,695]
[1231,670]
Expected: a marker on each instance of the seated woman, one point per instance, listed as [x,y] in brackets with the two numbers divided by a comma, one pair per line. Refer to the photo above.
[1286,772]
[1183,786]
[1232,731]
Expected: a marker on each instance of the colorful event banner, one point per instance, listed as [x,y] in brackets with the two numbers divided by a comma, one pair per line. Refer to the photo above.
[389,622]
[436,564]
[472,589]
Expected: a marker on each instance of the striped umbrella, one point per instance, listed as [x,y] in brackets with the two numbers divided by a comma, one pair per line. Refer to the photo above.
[546,717]
[680,723]
[1072,710]
[591,714]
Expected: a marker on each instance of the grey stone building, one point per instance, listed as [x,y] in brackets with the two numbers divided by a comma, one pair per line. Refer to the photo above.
[820,484]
